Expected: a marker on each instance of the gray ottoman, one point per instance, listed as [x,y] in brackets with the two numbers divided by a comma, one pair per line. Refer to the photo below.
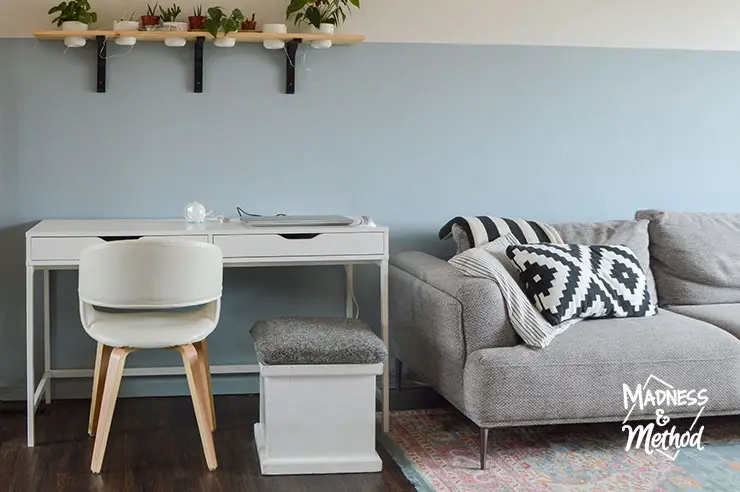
[317,395]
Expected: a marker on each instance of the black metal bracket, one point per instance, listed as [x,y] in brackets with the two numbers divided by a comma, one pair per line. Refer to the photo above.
[102,57]
[198,80]
[291,47]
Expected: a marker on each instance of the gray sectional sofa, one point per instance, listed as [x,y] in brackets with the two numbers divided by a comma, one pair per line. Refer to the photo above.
[453,331]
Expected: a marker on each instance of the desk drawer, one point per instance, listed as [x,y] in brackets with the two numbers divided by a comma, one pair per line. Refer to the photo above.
[327,244]
[69,248]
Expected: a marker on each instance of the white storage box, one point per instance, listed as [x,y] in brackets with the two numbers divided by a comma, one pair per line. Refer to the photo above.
[317,396]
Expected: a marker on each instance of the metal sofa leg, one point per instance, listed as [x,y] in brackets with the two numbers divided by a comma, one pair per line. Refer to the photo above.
[399,370]
[483,447]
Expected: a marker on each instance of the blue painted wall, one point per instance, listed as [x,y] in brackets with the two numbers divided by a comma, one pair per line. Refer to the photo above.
[411,134]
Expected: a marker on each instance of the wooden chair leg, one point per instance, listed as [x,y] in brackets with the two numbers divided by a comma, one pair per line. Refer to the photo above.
[202,350]
[101,369]
[116,363]
[198,394]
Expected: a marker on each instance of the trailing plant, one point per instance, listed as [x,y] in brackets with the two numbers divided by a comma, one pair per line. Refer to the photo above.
[198,11]
[317,12]
[73,11]
[170,14]
[217,19]
[152,11]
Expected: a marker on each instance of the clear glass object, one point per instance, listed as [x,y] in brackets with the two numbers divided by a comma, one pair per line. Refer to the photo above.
[195,212]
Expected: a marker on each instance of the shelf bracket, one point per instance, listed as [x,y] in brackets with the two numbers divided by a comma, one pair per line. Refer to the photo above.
[291,47]
[102,57]
[198,80]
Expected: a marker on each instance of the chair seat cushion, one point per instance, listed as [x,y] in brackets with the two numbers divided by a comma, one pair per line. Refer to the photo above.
[148,330]
[579,377]
[725,316]
[287,341]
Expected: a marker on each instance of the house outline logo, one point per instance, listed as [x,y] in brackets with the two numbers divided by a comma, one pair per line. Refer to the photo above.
[644,435]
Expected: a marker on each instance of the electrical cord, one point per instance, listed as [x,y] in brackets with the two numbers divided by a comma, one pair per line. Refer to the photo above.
[356,304]
[243,212]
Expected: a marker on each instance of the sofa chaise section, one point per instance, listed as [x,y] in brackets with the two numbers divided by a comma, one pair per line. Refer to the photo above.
[578,378]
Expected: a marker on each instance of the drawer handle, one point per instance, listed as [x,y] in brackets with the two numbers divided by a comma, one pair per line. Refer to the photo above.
[118,238]
[308,235]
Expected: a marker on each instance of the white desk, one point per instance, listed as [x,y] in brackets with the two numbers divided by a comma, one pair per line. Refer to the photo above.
[56,245]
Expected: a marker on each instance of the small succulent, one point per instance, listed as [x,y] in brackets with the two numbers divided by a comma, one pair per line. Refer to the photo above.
[170,14]
[152,11]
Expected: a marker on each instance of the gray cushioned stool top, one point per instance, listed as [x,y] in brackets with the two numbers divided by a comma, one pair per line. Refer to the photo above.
[283,341]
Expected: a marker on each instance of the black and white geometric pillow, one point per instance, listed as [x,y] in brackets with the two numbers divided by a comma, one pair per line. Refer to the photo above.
[566,281]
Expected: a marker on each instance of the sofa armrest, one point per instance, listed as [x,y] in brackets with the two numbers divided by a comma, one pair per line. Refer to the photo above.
[438,316]
[483,318]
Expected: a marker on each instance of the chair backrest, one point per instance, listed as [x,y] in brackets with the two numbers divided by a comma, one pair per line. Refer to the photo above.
[135,274]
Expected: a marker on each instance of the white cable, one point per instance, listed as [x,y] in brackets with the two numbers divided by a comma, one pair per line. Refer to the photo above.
[356,304]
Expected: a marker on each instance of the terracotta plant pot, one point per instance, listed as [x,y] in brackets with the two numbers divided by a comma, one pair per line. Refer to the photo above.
[249,25]
[150,20]
[197,22]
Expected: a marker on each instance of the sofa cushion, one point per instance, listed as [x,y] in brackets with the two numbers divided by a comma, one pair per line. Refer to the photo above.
[579,376]
[630,233]
[695,257]
[726,316]
[293,340]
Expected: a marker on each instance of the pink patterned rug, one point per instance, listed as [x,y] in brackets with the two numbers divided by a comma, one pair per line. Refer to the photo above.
[438,451]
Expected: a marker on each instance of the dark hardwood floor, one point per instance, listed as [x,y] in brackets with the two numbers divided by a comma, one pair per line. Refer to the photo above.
[154,446]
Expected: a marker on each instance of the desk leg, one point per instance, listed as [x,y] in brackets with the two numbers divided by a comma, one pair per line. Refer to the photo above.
[30,378]
[47,333]
[350,290]
[384,332]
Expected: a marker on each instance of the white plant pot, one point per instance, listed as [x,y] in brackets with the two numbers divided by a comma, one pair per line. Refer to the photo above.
[126,26]
[74,41]
[175,26]
[226,42]
[323,29]
[274,44]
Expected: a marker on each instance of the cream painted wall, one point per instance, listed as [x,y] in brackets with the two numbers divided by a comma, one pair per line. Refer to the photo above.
[680,24]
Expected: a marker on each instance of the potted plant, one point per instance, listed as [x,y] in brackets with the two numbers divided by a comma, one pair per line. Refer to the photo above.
[274,43]
[150,21]
[169,21]
[126,25]
[197,21]
[75,15]
[249,24]
[218,21]
[322,16]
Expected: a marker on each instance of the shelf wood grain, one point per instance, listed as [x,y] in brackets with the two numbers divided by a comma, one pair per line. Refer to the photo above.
[241,37]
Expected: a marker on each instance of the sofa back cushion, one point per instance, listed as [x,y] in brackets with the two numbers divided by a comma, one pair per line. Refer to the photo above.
[695,257]
[630,233]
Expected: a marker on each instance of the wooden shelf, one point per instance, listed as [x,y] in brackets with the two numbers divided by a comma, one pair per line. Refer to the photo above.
[292,40]
[241,37]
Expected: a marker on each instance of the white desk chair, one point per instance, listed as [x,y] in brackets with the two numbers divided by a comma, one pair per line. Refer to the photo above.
[156,277]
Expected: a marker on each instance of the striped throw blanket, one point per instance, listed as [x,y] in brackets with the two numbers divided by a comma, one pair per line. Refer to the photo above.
[490,261]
